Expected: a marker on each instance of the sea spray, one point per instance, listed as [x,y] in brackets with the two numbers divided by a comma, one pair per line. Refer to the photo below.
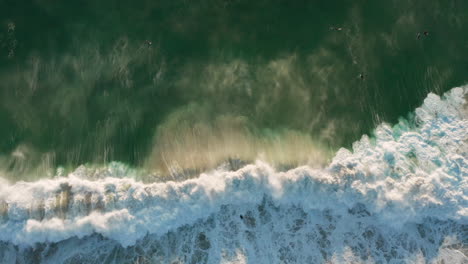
[398,195]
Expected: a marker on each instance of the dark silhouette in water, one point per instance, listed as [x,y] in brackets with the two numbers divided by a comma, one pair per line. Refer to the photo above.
[425,33]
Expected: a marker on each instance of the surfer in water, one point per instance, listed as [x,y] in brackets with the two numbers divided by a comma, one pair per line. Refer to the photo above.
[336,28]
[425,33]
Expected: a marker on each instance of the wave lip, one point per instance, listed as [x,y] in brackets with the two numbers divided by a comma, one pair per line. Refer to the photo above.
[414,170]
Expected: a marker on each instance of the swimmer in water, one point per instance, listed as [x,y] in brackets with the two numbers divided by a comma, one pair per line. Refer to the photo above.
[425,33]
[336,28]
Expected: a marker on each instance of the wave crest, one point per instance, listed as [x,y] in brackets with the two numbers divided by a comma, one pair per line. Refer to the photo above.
[403,175]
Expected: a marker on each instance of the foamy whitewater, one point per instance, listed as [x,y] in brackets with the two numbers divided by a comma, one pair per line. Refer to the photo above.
[398,197]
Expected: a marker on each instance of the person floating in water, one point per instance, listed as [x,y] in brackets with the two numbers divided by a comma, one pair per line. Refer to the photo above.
[361,76]
[149,43]
[336,28]
[425,33]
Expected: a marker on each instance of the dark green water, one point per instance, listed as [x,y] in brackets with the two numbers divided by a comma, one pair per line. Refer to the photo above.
[79,83]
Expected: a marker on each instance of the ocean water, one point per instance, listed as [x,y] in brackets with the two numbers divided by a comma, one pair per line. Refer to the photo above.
[397,197]
[179,87]
[233,131]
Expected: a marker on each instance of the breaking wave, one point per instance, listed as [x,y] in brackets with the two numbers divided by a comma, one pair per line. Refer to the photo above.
[399,196]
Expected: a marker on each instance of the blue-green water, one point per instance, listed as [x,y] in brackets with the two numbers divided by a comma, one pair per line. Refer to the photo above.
[176,131]
[185,85]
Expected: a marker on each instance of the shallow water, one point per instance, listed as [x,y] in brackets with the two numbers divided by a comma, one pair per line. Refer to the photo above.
[398,197]
[233,132]
[221,79]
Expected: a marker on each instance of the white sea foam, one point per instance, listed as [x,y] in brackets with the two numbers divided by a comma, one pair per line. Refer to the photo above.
[404,175]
